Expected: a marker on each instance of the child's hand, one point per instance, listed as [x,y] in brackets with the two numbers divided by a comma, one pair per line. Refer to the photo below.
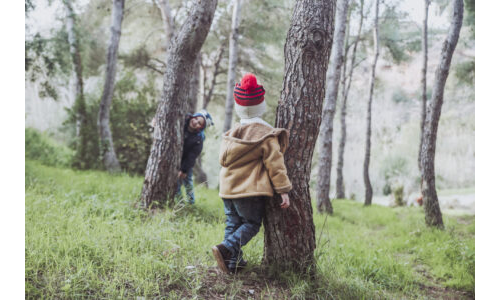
[286,201]
[181,175]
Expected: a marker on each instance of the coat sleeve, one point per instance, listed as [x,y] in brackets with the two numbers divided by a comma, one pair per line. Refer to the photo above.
[189,161]
[275,165]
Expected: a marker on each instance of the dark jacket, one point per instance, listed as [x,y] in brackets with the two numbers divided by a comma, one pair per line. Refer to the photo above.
[193,144]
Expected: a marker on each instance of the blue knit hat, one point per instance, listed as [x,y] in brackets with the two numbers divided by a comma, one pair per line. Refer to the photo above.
[206,116]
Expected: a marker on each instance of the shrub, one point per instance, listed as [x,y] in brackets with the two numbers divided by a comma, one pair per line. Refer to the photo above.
[387,189]
[133,108]
[465,72]
[400,96]
[38,146]
[398,195]
[394,168]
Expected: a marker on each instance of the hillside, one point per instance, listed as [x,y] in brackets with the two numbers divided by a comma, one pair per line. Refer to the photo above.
[85,239]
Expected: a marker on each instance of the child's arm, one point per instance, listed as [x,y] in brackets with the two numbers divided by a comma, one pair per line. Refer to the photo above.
[275,165]
[286,201]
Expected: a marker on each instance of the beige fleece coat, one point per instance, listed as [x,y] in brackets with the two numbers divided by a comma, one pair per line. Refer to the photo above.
[252,162]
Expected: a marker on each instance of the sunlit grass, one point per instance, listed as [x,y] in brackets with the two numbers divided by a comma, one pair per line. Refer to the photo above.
[86,239]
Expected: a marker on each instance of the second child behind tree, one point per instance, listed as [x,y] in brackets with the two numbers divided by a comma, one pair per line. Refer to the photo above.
[194,136]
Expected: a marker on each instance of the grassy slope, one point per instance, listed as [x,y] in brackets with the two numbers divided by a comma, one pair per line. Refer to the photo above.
[84,238]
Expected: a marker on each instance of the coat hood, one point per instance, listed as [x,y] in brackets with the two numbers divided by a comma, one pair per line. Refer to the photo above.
[243,143]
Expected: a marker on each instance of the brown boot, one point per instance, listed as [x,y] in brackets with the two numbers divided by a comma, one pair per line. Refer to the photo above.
[222,256]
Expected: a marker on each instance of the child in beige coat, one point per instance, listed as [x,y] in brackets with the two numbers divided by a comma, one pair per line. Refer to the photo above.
[253,169]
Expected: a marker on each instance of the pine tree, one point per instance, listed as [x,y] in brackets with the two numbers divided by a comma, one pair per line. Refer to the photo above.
[289,239]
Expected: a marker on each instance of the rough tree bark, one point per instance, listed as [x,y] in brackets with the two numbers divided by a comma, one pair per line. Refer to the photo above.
[194,86]
[366,164]
[326,130]
[431,204]
[423,82]
[169,28]
[289,238]
[106,138]
[340,189]
[165,157]
[231,71]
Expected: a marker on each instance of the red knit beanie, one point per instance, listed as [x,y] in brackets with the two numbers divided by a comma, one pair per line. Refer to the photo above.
[249,97]
[248,92]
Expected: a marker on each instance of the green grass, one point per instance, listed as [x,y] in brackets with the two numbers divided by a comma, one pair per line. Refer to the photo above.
[462,191]
[85,239]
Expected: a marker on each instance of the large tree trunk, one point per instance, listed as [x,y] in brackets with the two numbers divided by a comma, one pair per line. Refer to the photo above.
[164,160]
[340,190]
[424,83]
[106,138]
[82,133]
[326,131]
[366,164]
[431,204]
[194,86]
[233,58]
[289,238]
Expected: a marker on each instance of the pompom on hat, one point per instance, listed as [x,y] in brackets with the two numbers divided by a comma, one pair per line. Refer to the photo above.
[249,97]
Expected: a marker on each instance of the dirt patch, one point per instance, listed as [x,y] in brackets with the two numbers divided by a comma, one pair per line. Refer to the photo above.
[434,291]
[252,284]
[465,220]
[213,284]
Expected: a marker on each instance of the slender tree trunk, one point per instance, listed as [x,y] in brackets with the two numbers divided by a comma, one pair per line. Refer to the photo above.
[233,58]
[76,59]
[423,82]
[326,131]
[82,135]
[208,96]
[431,204]
[164,160]
[106,138]
[340,190]
[366,164]
[289,238]
[168,21]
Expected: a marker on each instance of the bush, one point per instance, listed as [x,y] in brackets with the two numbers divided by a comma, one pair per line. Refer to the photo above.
[398,195]
[400,96]
[465,72]
[387,189]
[132,109]
[394,168]
[38,146]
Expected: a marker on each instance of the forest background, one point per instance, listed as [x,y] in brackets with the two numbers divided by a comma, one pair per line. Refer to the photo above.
[396,108]
[396,100]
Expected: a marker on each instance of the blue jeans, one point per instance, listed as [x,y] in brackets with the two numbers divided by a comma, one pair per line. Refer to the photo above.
[243,221]
[188,184]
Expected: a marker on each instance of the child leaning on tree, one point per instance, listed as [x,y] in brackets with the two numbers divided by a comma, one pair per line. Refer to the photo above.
[253,169]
